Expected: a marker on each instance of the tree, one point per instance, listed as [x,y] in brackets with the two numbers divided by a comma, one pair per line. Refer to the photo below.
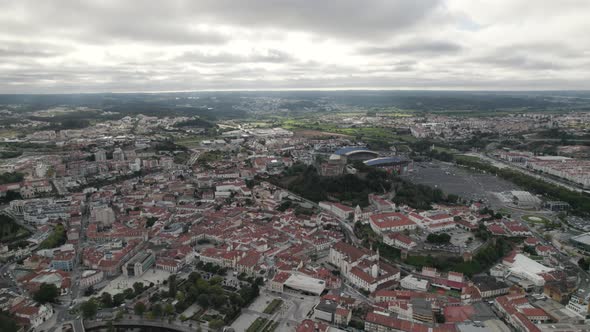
[89,291]
[89,309]
[157,310]
[203,300]
[180,296]
[129,294]
[118,299]
[139,308]
[216,324]
[172,286]
[138,288]
[236,299]
[169,309]
[106,300]
[217,300]
[46,293]
[194,276]
[8,322]
[438,238]
[584,264]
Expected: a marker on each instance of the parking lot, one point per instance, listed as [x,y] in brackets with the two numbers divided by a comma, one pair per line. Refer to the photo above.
[460,238]
[460,181]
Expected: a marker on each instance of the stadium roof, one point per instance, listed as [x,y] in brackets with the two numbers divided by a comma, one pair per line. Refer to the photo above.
[524,196]
[582,238]
[384,161]
[352,149]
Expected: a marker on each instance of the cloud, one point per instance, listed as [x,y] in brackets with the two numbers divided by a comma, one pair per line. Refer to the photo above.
[414,47]
[20,50]
[134,45]
[224,58]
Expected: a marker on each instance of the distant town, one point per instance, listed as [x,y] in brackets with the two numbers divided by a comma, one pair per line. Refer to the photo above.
[273,213]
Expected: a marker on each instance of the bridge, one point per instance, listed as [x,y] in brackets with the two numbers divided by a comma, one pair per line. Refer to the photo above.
[143,324]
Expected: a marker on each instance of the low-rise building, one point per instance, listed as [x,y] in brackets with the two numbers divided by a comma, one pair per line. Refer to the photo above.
[138,264]
[412,283]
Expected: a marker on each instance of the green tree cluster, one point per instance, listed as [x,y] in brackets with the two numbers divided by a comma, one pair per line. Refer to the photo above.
[11,177]
[46,293]
[442,238]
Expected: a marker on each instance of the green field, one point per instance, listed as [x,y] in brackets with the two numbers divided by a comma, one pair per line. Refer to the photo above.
[533,219]
[273,306]
[191,142]
[262,325]
[362,133]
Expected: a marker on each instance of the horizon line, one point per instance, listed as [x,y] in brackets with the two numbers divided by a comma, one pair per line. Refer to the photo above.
[296,90]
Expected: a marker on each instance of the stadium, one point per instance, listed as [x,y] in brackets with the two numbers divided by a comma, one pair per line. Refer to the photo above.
[356,153]
[398,165]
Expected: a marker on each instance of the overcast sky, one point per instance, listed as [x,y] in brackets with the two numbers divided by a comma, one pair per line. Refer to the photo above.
[173,45]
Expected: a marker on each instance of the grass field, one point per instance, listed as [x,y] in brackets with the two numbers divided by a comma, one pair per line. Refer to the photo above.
[8,133]
[536,219]
[363,133]
[262,325]
[191,142]
[273,306]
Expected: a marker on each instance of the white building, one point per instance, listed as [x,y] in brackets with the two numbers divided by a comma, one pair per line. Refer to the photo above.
[362,267]
[90,278]
[399,240]
[341,211]
[579,303]
[413,283]
[390,222]
[523,267]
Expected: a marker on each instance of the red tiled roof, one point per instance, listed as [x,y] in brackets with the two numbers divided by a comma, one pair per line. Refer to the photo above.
[405,325]
[352,252]
[534,312]
[391,220]
[281,277]
[457,314]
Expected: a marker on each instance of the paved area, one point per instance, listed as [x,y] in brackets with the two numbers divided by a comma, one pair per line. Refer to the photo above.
[119,284]
[460,181]
[295,309]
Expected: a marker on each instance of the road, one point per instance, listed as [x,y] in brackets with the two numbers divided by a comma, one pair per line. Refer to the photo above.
[496,162]
[62,310]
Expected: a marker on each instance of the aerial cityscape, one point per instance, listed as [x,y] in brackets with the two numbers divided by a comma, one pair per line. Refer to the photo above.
[289,166]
